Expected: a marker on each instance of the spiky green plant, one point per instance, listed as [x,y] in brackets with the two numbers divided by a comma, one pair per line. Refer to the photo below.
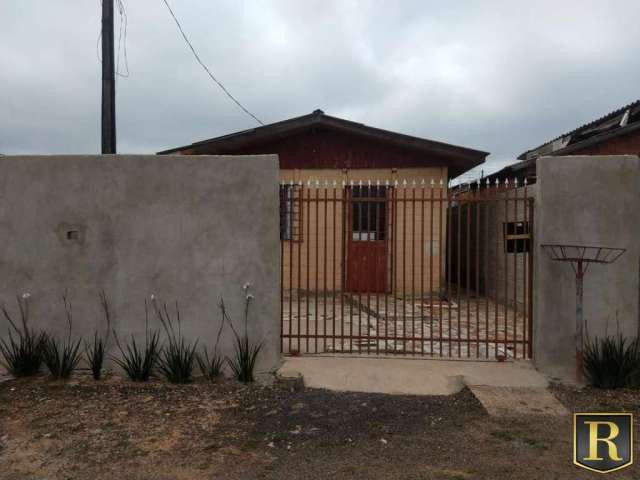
[96,352]
[139,361]
[246,351]
[211,366]
[62,356]
[21,353]
[178,356]
[612,362]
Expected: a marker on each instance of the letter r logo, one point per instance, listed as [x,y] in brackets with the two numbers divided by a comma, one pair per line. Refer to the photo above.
[603,442]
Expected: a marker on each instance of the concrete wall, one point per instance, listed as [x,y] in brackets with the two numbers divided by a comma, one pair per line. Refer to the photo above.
[585,200]
[190,229]
[421,273]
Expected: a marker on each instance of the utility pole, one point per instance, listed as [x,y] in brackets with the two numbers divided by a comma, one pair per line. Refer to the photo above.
[108,80]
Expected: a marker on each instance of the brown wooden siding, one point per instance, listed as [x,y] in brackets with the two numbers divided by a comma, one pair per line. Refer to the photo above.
[327,149]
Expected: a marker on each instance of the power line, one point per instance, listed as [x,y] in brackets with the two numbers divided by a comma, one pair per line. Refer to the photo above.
[195,54]
[122,40]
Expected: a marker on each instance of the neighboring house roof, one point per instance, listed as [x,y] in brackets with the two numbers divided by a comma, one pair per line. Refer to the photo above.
[619,122]
[459,159]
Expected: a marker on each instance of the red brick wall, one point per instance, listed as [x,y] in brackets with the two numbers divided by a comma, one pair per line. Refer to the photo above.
[626,144]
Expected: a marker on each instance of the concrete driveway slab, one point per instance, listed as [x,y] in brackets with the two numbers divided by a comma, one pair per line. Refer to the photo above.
[408,376]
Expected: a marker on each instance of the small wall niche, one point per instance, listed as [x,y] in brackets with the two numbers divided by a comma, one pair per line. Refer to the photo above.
[70,234]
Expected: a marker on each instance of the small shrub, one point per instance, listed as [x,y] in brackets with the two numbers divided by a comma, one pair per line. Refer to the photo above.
[62,357]
[96,352]
[139,361]
[22,351]
[246,351]
[210,365]
[177,358]
[612,362]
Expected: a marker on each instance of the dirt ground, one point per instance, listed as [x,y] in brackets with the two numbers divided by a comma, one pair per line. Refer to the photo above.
[83,429]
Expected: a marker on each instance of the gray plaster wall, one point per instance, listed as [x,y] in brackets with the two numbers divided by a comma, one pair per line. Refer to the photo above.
[585,200]
[186,228]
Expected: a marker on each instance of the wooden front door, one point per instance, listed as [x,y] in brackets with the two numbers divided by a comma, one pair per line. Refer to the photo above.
[367,239]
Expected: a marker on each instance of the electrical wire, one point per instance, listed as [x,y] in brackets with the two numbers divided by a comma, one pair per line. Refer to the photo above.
[122,40]
[197,57]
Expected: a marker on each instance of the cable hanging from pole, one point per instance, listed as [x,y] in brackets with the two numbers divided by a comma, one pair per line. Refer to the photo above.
[197,57]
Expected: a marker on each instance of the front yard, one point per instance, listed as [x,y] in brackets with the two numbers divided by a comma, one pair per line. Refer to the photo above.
[117,429]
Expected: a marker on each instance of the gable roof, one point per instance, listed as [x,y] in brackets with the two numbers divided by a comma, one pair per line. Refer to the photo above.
[460,158]
[619,122]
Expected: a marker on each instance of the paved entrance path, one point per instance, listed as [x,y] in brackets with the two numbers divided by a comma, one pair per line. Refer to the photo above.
[515,401]
[504,389]
[409,376]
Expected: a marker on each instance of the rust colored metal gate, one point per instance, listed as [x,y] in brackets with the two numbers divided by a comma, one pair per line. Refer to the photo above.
[406,267]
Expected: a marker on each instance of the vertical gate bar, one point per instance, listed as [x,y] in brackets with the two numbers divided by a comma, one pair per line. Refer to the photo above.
[369,241]
[413,269]
[316,266]
[496,333]
[449,266]
[530,278]
[333,267]
[487,291]
[378,217]
[506,266]
[301,221]
[390,215]
[458,274]
[476,198]
[282,333]
[404,266]
[441,273]
[325,224]
[289,199]
[350,231]
[515,275]
[422,295]
[307,266]
[343,264]
[360,207]
[525,258]
[468,279]
[394,247]
[430,265]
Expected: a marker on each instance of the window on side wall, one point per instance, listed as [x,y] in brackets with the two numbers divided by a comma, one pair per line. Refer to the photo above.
[290,213]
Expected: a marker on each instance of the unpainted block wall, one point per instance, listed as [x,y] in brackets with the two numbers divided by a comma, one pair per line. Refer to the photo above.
[184,228]
[585,200]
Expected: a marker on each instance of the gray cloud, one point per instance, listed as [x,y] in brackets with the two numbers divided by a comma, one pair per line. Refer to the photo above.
[501,76]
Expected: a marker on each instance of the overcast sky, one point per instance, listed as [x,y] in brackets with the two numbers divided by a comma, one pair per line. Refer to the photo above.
[500,76]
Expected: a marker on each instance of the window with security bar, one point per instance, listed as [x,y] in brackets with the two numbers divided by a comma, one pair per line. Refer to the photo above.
[290,213]
[369,213]
[516,237]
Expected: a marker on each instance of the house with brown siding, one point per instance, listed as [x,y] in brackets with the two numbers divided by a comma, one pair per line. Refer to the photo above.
[349,234]
[616,133]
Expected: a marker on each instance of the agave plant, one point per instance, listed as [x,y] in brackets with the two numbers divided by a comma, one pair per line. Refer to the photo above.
[246,351]
[139,361]
[612,362]
[96,352]
[178,356]
[21,353]
[62,356]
